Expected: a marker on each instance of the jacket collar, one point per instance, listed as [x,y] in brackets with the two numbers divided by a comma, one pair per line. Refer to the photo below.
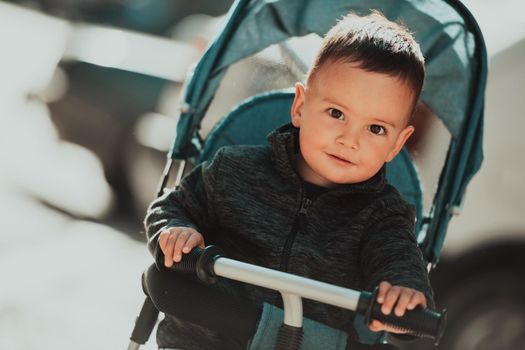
[284,142]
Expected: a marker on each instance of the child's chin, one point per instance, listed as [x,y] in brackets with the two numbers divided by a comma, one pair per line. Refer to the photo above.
[350,180]
[340,176]
[336,181]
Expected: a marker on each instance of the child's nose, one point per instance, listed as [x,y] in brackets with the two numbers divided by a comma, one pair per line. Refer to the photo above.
[349,137]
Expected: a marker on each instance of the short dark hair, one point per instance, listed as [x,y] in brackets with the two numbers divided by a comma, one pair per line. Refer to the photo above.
[375,44]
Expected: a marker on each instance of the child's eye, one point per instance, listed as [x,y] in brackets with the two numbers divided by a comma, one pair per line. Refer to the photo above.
[335,113]
[377,129]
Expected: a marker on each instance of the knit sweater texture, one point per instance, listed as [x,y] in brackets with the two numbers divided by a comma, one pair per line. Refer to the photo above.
[251,202]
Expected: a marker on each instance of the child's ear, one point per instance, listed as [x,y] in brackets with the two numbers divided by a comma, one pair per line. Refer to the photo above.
[401,139]
[297,104]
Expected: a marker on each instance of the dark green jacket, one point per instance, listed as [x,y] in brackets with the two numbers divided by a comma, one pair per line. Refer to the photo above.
[251,202]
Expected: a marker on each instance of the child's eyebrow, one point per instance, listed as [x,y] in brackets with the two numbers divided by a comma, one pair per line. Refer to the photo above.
[326,99]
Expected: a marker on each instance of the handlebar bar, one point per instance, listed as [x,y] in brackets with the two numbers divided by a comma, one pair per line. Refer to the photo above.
[209,263]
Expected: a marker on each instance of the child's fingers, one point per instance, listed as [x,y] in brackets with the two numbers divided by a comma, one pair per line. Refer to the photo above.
[404,298]
[193,241]
[163,239]
[376,326]
[168,249]
[418,298]
[383,288]
[181,242]
[391,298]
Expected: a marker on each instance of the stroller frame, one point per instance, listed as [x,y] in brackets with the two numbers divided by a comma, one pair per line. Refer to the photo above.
[294,288]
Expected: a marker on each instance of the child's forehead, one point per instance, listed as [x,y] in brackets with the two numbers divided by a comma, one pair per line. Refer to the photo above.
[361,91]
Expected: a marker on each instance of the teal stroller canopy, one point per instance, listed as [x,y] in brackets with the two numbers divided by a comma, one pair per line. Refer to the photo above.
[454,88]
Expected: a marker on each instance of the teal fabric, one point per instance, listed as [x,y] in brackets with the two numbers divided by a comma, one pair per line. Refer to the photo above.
[249,123]
[456,76]
[402,174]
[315,335]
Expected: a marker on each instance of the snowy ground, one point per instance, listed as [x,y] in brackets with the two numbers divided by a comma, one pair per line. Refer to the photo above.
[66,283]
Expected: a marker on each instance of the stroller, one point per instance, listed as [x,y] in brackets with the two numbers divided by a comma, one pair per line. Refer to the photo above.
[432,171]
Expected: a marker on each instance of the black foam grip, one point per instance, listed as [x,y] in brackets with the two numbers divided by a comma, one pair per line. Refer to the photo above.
[289,338]
[419,322]
[189,261]
[199,262]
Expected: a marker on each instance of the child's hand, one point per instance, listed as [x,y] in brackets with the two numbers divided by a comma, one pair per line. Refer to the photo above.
[402,298]
[177,240]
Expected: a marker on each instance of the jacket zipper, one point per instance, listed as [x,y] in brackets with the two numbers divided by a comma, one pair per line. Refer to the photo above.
[296,227]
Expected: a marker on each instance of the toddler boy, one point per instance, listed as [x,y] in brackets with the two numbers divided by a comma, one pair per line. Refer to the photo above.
[315,202]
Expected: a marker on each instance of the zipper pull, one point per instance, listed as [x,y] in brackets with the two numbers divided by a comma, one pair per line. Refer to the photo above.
[305,206]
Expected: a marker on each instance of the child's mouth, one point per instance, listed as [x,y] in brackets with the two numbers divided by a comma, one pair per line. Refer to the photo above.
[339,160]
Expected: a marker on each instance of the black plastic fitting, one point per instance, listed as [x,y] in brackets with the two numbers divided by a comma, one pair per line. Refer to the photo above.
[145,322]
[289,338]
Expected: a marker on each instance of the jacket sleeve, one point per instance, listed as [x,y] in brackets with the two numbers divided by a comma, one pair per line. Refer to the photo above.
[389,251]
[188,205]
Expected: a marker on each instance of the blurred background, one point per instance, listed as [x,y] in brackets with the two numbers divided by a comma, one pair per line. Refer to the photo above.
[88,109]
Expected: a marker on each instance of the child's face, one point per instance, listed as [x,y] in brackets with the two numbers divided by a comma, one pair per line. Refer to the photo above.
[351,122]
